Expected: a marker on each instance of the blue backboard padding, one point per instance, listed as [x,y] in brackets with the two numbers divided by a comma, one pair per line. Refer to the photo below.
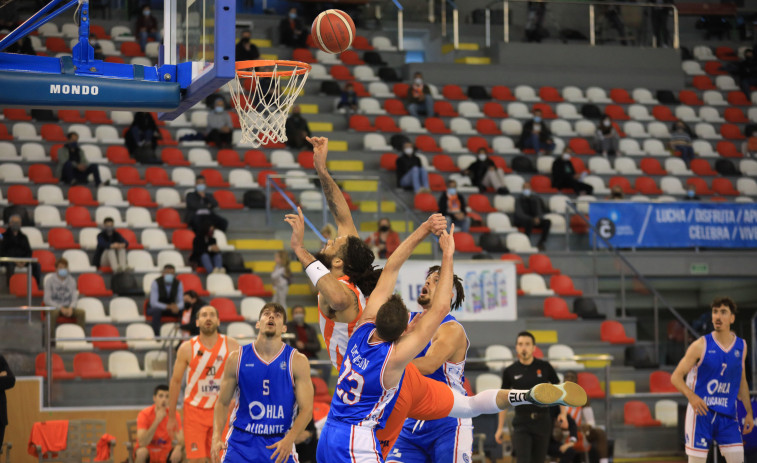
[63,90]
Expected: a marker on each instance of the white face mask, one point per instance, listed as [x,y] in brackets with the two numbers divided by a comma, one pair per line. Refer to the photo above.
[408,151]
[418,81]
[219,109]
[146,12]
[566,156]
[482,157]
[526,192]
[606,123]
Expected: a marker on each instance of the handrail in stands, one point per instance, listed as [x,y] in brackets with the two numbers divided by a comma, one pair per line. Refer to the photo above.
[27,260]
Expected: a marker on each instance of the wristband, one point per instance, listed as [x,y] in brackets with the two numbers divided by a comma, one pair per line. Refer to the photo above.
[315,271]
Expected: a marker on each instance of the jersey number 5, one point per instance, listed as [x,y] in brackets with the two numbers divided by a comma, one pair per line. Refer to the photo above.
[266,389]
[350,376]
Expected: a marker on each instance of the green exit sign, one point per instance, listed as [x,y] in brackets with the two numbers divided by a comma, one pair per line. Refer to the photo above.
[699,269]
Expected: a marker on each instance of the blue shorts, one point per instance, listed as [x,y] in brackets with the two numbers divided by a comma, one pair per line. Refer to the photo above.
[440,444]
[244,447]
[702,430]
[344,443]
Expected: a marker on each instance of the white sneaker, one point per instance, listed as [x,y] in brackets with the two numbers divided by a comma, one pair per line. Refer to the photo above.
[567,393]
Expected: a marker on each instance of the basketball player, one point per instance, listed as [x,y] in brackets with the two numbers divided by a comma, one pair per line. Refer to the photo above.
[205,355]
[272,385]
[716,378]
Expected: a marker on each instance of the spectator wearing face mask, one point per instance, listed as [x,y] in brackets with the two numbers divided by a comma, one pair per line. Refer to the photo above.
[529,214]
[166,297]
[111,248]
[348,99]
[246,50]
[452,205]
[201,209]
[419,99]
[61,293]
[16,244]
[297,129]
[147,27]
[691,194]
[410,171]
[385,240]
[681,141]
[616,193]
[536,135]
[73,166]
[564,175]
[220,127]
[205,251]
[485,174]
[292,32]
[607,138]
[142,138]
[305,337]
[192,304]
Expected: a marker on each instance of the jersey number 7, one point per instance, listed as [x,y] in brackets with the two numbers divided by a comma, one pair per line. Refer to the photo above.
[350,375]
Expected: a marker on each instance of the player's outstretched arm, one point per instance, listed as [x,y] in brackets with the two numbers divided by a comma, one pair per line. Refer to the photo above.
[334,197]
[336,294]
[435,224]
[174,387]
[303,392]
[745,400]
[693,354]
[221,410]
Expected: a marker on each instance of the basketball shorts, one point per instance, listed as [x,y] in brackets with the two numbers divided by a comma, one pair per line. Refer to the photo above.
[346,443]
[448,444]
[198,431]
[421,398]
[243,447]
[702,430]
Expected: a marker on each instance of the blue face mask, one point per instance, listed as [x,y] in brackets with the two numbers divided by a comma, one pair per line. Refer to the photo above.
[690,193]
[63,272]
[526,193]
[452,191]
[537,118]
[168,277]
[201,187]
[292,15]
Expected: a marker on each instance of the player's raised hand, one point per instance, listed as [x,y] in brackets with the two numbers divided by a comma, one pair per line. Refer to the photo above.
[447,241]
[320,150]
[436,224]
[297,222]
[215,450]
[282,448]
[748,424]
[700,408]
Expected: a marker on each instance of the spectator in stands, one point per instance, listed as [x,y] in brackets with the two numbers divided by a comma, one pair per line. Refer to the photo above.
[200,206]
[166,297]
[616,193]
[292,32]
[410,171]
[192,305]
[205,250]
[660,23]
[246,50]
[584,419]
[529,214]
[564,175]
[142,137]
[691,193]
[16,244]
[681,138]
[111,248]
[73,167]
[348,99]
[7,381]
[561,447]
[297,129]
[535,21]
[452,205]
[385,240]
[61,293]
[281,277]
[536,135]
[607,138]
[147,27]
[154,442]
[305,335]
[220,127]
[485,174]
[532,425]
[746,72]
[419,99]
[98,52]
[22,47]
[749,147]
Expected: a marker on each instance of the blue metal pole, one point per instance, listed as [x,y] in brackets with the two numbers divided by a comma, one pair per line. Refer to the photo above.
[31,24]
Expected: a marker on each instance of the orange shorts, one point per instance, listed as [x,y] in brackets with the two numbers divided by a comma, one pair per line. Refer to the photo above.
[198,431]
[419,397]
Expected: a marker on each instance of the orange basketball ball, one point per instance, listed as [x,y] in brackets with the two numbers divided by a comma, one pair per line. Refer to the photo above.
[333,31]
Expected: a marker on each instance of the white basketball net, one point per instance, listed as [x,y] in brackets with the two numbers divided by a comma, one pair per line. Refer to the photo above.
[263,103]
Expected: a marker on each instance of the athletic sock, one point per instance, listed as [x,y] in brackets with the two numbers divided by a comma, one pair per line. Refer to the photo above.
[469,407]
[519,397]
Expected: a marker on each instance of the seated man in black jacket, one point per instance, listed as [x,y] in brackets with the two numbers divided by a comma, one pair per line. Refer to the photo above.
[205,251]
[485,174]
[410,171]
[536,135]
[564,175]
[452,205]
[529,214]
[292,32]
[111,248]
[166,297]
[16,244]
[246,50]
[200,207]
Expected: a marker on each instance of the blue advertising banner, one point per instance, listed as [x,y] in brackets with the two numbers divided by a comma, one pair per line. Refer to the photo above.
[675,225]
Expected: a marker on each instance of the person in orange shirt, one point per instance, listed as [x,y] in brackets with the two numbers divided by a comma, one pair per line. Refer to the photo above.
[154,443]
[205,357]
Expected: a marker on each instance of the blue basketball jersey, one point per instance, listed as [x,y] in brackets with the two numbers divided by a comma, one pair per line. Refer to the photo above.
[717,376]
[265,402]
[360,398]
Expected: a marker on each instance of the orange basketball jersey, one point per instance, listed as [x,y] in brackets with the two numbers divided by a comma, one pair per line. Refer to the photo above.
[205,372]
[336,334]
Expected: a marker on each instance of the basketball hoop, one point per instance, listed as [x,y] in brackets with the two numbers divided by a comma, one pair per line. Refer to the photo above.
[263,93]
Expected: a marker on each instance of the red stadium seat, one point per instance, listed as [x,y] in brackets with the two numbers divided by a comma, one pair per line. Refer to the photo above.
[636,413]
[621,96]
[480,203]
[140,197]
[427,144]
[494,110]
[659,383]
[173,157]
[647,186]
[46,260]
[616,113]
[16,114]
[131,49]
[726,54]
[737,98]
[227,200]
[53,132]
[591,385]
[623,183]
[340,72]
[578,164]
[731,131]
[703,83]
[538,353]
[4,135]
[550,94]
[81,196]
[129,176]
[92,285]
[169,218]
[388,161]
[502,93]
[41,173]
[735,115]
[700,186]
[263,178]
[400,90]
[444,109]
[190,281]
[166,138]
[546,110]
[71,116]
[61,238]
[651,166]
[18,285]
[182,239]
[728,150]
[395,107]
[214,179]
[690,98]
[361,43]
[57,45]
[305,160]
[557,309]
[464,242]
[59,369]
[279,202]
[476,143]
[436,182]
[119,155]
[436,125]
[541,264]
[97,117]
[487,127]
[563,286]
[520,267]
[352,206]
[77,216]
[157,176]
[227,311]
[581,146]
[21,195]
[252,285]
[542,184]
[304,55]
[360,123]
[501,163]
[114,59]
[106,330]
[714,68]
[229,158]
[425,202]
[613,332]
[131,238]
[663,114]
[88,365]
[701,167]
[386,124]
[360,90]
[256,159]
[724,187]
[321,390]
[351,58]
[453,92]
[444,163]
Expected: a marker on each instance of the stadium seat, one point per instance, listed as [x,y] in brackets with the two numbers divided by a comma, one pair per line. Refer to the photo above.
[666,411]
[557,309]
[487,127]
[623,183]
[502,93]
[106,330]
[214,179]
[659,383]
[613,332]
[425,202]
[453,92]
[140,197]
[156,361]
[395,107]
[157,176]
[498,222]
[97,117]
[124,364]
[78,261]
[647,186]
[731,131]
[689,98]
[621,96]
[141,261]
[129,176]
[73,332]
[486,381]
[444,109]
[701,167]
[520,267]
[227,311]
[728,150]
[173,157]
[386,124]
[735,115]
[541,264]
[550,95]
[53,133]
[561,356]
[45,258]
[250,308]
[219,284]
[737,98]
[94,310]
[88,365]
[58,368]
[71,116]
[636,413]
[169,218]
[227,200]
[92,285]
[676,166]
[542,184]
[16,114]
[480,203]
[18,286]
[444,163]
[724,187]
[119,155]
[241,330]
[534,285]
[494,110]
[703,83]
[61,238]
[591,385]
[142,337]
[21,195]
[464,242]
[651,166]
[252,285]
[497,357]
[563,285]
[701,187]
[41,174]
[581,146]
[77,216]
[747,186]
[672,186]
